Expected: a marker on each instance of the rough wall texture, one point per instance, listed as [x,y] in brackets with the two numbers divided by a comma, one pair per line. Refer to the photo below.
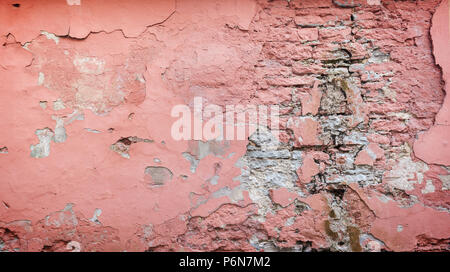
[88,162]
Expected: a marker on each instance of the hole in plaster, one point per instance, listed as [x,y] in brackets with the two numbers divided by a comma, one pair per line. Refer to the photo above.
[16,5]
[157,175]
[122,146]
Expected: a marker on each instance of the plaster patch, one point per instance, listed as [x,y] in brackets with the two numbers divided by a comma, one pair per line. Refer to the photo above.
[58,105]
[94,218]
[445,179]
[157,175]
[429,187]
[60,135]
[43,104]
[73,2]
[406,173]
[51,36]
[42,149]
[41,78]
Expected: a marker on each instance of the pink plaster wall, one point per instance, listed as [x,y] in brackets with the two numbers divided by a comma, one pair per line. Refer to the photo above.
[88,161]
[437,138]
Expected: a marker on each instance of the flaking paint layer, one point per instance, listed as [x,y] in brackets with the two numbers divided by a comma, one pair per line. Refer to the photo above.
[88,162]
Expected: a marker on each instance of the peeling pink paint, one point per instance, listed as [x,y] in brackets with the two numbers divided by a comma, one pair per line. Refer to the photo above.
[88,162]
[437,138]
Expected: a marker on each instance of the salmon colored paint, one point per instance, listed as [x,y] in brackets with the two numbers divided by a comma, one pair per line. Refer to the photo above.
[437,138]
[349,150]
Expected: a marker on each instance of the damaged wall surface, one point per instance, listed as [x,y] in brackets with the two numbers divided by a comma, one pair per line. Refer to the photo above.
[88,161]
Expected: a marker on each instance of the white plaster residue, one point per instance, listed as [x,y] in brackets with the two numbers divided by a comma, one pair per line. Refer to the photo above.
[406,173]
[43,104]
[50,36]
[58,105]
[89,65]
[429,187]
[41,78]
[94,218]
[445,182]
[73,2]
[60,135]
[42,149]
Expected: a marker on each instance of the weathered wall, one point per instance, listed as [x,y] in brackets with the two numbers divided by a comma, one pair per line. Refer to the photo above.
[88,161]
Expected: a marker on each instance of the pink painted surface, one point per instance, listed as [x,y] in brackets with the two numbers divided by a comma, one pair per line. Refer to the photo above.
[434,145]
[88,162]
